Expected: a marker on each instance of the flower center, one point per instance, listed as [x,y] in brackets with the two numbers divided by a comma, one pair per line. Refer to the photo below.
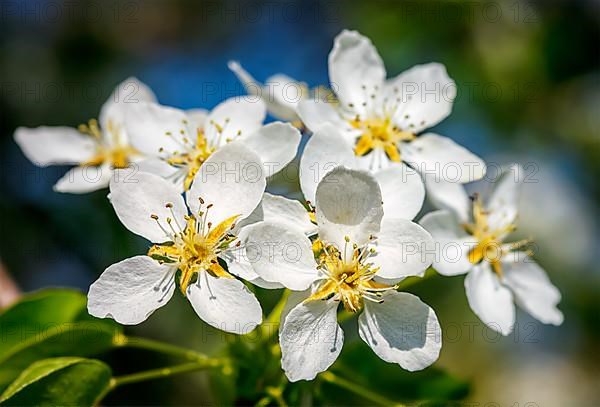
[195,152]
[195,246]
[379,133]
[193,158]
[490,245]
[349,280]
[118,154]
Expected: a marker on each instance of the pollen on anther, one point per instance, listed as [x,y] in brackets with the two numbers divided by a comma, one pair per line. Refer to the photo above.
[169,205]
[153,216]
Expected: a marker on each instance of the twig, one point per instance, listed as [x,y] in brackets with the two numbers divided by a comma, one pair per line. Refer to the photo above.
[9,291]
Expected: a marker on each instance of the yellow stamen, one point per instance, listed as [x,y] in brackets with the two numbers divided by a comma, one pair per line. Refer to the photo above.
[489,242]
[117,154]
[379,133]
[193,159]
[196,249]
[349,281]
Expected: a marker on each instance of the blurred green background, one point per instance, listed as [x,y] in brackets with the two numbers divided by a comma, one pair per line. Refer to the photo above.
[528,91]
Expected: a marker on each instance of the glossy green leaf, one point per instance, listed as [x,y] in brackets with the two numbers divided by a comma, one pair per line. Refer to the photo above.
[59,381]
[50,323]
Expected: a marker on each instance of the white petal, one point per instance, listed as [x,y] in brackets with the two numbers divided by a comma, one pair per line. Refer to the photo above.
[533,290]
[236,258]
[402,249]
[325,150]
[503,204]
[286,93]
[442,157]
[276,144]
[451,243]
[402,330]
[448,195]
[234,117]
[315,113]
[225,303]
[281,102]
[137,196]
[232,180]
[402,191]
[491,301]
[348,203]
[156,166]
[287,212]
[55,145]
[281,254]
[129,92]
[354,64]
[131,290]
[310,339]
[80,180]
[152,128]
[197,118]
[293,300]
[268,285]
[238,263]
[426,96]
[252,86]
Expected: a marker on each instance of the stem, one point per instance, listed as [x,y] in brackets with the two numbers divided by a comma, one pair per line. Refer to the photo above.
[358,390]
[163,372]
[266,329]
[161,347]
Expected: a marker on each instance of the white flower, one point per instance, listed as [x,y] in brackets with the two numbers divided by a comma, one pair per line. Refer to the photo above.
[379,119]
[348,264]
[287,213]
[187,246]
[96,148]
[402,187]
[280,93]
[181,141]
[498,272]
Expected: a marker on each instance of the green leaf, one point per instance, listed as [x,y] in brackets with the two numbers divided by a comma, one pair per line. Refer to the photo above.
[50,323]
[358,364]
[59,381]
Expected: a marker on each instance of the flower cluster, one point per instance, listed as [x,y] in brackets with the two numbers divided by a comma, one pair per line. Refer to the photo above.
[193,184]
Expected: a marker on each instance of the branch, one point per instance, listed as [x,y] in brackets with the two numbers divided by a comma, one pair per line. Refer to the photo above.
[9,291]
